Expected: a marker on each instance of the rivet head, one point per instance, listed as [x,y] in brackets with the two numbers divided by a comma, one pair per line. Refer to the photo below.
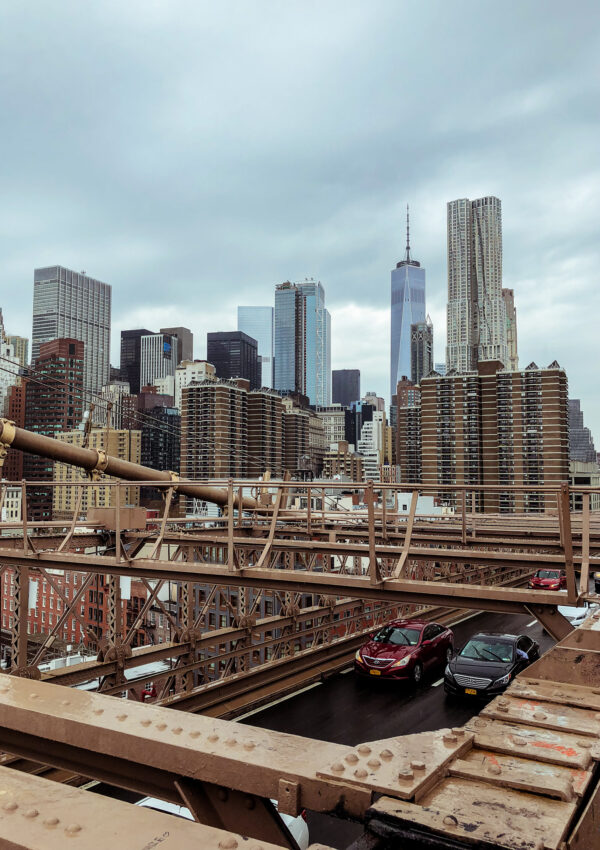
[249,745]
[502,708]
[194,734]
[121,717]
[450,820]
[33,696]
[459,732]
[585,745]
[494,769]
[539,715]
[374,763]
[98,711]
[417,765]
[406,774]
[161,726]
[338,767]
[519,742]
[231,742]
[228,843]
[361,773]
[364,750]
[73,828]
[66,702]
[177,730]
[213,738]
[450,739]
[10,807]
[386,755]
[31,813]
[51,821]
[145,722]
[351,758]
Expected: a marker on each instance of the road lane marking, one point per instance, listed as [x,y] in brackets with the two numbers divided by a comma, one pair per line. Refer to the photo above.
[438,683]
[533,622]
[276,702]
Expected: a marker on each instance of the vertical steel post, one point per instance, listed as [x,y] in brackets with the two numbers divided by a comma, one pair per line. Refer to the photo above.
[370,497]
[565,514]
[20,616]
[584,583]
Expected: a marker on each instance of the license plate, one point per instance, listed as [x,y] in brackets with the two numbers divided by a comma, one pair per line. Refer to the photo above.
[471,691]
[375,672]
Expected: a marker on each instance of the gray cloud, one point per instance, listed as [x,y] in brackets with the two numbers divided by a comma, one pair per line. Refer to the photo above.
[193,155]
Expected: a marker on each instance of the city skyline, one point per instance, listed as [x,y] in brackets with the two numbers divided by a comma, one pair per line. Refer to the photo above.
[157,214]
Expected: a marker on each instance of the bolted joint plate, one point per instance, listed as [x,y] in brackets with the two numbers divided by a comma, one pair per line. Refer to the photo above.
[400,767]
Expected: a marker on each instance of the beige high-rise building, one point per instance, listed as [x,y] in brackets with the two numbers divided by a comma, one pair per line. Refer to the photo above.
[265,433]
[497,427]
[122,444]
[476,312]
[20,345]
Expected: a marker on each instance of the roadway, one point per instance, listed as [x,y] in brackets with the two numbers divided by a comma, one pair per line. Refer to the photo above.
[346,709]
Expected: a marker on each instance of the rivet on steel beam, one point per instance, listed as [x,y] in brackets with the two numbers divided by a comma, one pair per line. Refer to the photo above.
[374,764]
[121,717]
[586,745]
[228,843]
[51,822]
[417,765]
[494,769]
[479,723]
[73,828]
[338,767]
[33,696]
[213,738]
[459,731]
[364,750]
[519,742]
[10,807]
[194,733]
[502,708]
[231,742]
[177,730]
[450,820]
[66,702]
[386,754]
[31,813]
[539,715]
[361,773]
[161,726]
[449,739]
[145,721]
[596,716]
[351,758]
[249,745]
[98,711]
[502,702]
[406,774]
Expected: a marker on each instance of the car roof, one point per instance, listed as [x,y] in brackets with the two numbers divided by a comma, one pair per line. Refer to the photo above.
[496,635]
[416,623]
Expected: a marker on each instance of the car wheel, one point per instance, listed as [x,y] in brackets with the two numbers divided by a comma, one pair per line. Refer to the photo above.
[417,673]
[449,654]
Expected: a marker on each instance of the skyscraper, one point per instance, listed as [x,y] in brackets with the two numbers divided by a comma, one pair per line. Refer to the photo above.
[407,308]
[581,442]
[345,386]
[508,296]
[74,305]
[158,357]
[476,313]
[421,350]
[302,327]
[257,322]
[185,342]
[234,354]
[131,357]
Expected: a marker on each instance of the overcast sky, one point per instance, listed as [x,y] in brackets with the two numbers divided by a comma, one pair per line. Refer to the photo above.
[195,154]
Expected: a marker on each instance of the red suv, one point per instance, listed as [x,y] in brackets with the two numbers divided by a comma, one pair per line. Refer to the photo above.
[405,649]
[549,579]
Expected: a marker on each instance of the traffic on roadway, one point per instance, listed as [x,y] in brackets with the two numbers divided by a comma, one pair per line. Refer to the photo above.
[350,708]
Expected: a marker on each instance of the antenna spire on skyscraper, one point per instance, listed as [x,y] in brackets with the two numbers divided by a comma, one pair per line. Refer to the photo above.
[407,258]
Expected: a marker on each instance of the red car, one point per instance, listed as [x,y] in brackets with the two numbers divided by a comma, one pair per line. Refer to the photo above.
[405,649]
[549,579]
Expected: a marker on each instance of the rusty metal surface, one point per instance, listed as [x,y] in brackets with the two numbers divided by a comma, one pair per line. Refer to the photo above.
[36,814]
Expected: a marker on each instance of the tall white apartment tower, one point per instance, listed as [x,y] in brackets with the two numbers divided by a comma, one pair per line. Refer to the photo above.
[477,321]
[72,304]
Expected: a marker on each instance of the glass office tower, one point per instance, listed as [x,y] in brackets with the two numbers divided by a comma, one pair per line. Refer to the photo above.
[71,304]
[257,322]
[302,329]
[407,308]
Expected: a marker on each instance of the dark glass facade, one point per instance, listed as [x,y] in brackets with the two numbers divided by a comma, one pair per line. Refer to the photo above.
[131,357]
[345,386]
[234,354]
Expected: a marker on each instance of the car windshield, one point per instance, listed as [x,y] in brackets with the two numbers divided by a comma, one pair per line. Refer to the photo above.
[399,636]
[484,649]
[547,574]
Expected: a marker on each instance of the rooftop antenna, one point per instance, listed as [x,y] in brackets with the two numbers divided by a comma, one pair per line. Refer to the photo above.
[407,258]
